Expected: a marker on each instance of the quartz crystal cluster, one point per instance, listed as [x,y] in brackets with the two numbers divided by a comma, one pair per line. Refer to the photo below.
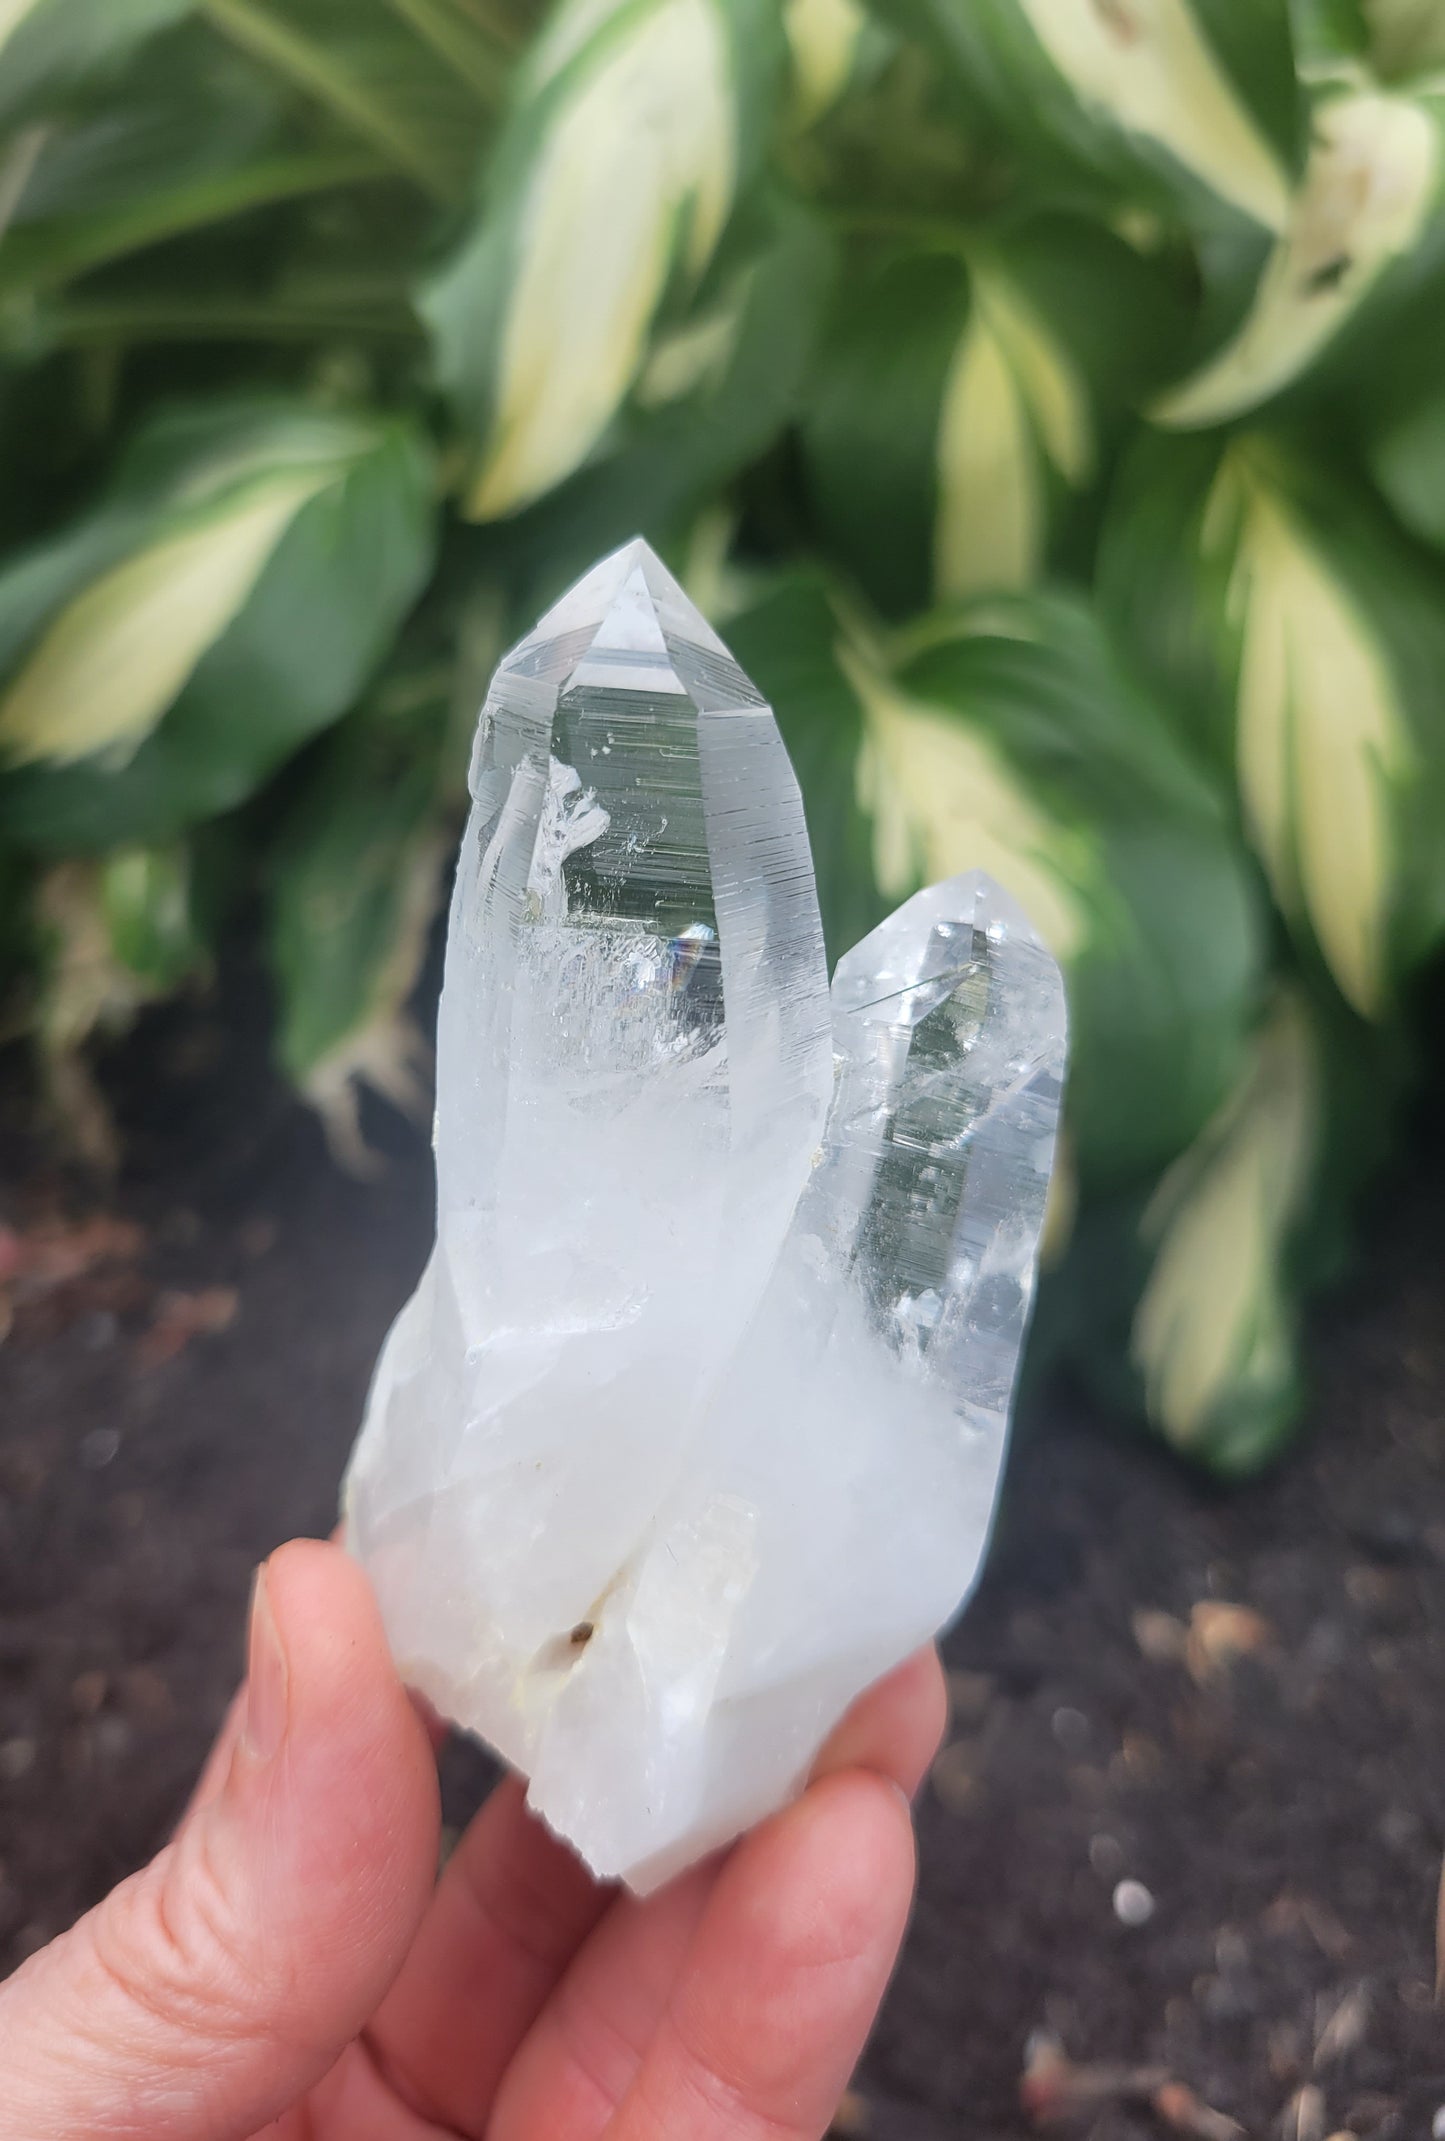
[693,1425]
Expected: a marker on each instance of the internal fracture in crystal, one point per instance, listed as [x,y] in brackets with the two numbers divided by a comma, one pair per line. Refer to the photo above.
[694,1423]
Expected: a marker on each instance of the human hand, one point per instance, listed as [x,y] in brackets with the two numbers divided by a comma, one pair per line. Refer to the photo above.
[289,1964]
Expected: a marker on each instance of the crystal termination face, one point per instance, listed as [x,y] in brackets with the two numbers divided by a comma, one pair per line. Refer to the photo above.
[693,1425]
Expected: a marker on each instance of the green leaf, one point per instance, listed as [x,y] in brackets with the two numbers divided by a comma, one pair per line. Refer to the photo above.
[788,643]
[1114,841]
[719,385]
[1190,101]
[48,47]
[190,134]
[1365,204]
[1006,739]
[1215,1334]
[1407,459]
[870,432]
[228,598]
[363,63]
[1328,33]
[614,180]
[1186,1306]
[1304,642]
[355,879]
[115,659]
[147,899]
[961,397]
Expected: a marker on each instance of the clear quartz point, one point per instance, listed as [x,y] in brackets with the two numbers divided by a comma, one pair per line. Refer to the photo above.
[693,1425]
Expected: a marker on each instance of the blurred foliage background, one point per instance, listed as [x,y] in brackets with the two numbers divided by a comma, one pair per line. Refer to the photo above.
[1046,397]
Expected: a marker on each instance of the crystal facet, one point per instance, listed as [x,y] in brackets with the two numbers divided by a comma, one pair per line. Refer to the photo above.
[693,1425]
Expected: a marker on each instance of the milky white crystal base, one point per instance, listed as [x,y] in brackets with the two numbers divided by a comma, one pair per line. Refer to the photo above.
[693,1426]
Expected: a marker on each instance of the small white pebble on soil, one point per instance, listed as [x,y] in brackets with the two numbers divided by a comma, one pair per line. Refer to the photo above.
[1133,1904]
[1437,2124]
[16,1757]
[1071,1729]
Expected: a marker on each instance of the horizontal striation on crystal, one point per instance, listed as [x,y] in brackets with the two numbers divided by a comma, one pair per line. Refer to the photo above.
[693,1424]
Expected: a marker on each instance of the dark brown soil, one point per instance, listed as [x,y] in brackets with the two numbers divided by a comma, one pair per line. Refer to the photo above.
[1273,1780]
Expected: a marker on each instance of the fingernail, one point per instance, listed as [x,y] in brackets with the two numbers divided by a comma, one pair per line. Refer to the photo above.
[266,1678]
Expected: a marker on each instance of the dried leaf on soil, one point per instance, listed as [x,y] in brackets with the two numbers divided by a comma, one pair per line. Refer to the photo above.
[180,1317]
[1342,2027]
[1303,2117]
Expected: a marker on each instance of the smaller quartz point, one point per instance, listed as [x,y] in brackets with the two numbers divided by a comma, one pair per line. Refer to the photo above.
[694,1424]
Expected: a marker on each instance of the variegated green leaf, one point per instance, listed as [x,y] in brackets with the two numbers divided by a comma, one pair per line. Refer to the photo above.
[1191,98]
[1013,403]
[719,386]
[224,602]
[616,178]
[117,656]
[1322,739]
[942,800]
[1004,737]
[1280,609]
[1215,1333]
[960,398]
[1149,66]
[1372,183]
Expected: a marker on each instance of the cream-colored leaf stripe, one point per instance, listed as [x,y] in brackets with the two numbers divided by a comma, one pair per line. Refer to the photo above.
[1212,1325]
[989,524]
[642,151]
[117,656]
[823,39]
[942,800]
[1011,392]
[1149,66]
[694,355]
[12,14]
[569,32]
[1372,179]
[1320,734]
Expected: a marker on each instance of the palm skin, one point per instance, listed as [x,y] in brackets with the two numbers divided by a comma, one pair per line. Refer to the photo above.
[289,1966]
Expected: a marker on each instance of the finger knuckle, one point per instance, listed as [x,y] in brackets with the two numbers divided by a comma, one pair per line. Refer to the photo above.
[172,1944]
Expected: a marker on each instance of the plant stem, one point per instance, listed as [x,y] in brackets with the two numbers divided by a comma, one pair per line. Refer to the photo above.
[182,319]
[317,70]
[460,45]
[493,22]
[16,166]
[41,255]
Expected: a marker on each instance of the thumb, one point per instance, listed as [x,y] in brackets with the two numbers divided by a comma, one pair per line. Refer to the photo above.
[213,1987]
